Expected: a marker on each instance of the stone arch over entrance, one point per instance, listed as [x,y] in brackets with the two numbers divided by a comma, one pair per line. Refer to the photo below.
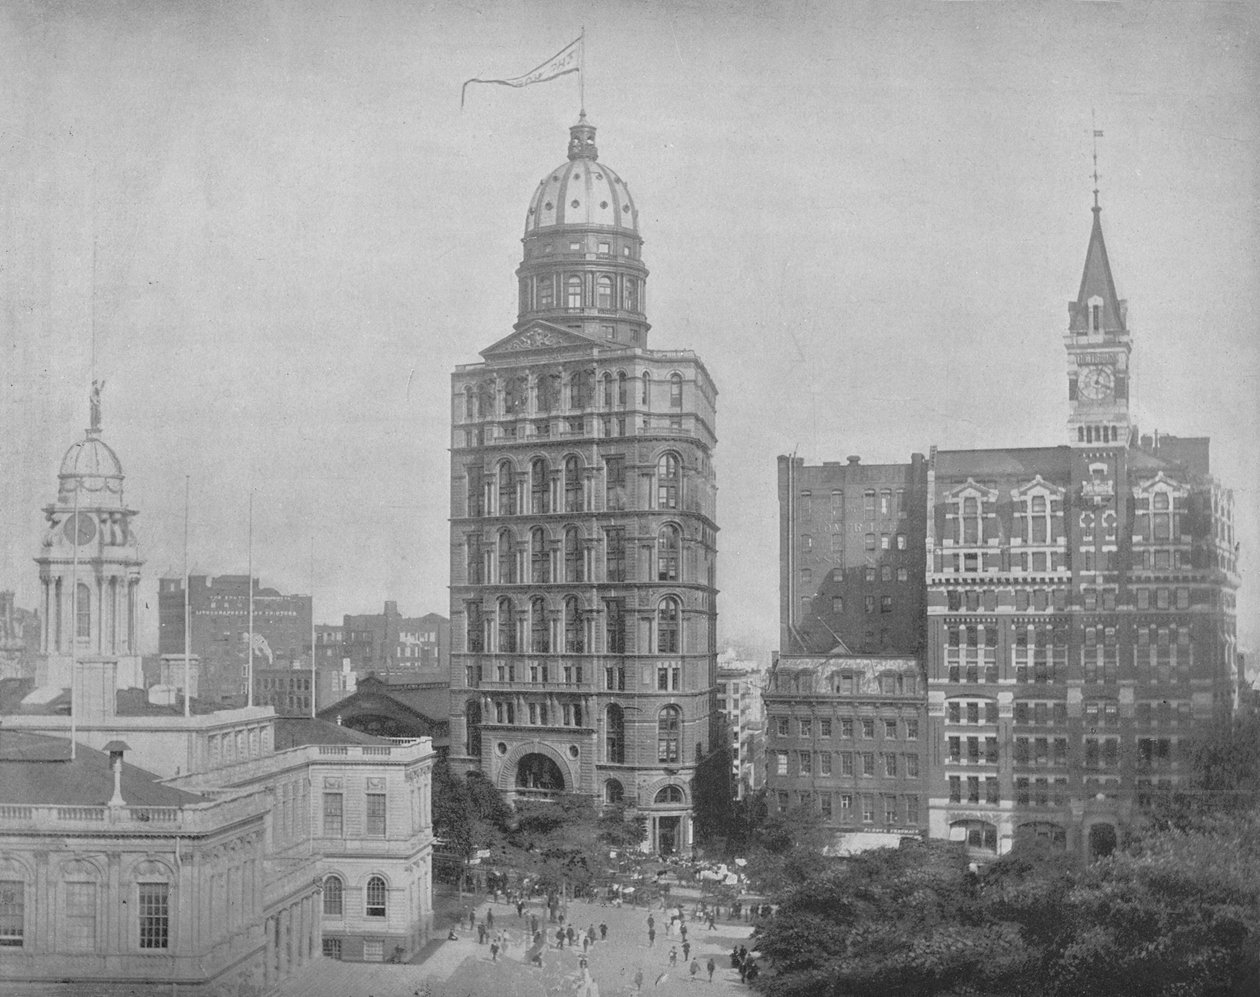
[649,794]
[506,780]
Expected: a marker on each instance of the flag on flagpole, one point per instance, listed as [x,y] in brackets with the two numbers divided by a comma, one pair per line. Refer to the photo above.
[1098,133]
[567,60]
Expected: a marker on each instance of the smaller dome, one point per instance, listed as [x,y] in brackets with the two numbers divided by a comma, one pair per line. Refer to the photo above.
[583,191]
[90,457]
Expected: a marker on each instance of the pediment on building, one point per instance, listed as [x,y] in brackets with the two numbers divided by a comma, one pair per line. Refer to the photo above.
[1161,482]
[972,489]
[539,337]
[1038,484]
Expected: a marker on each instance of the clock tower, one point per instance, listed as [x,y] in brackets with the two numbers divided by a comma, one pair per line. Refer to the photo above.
[1098,347]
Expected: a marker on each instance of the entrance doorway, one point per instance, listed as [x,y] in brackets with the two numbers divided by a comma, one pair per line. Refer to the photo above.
[667,829]
[1102,840]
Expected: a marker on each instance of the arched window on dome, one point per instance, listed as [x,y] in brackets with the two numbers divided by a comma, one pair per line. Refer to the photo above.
[668,621]
[539,631]
[546,292]
[668,480]
[604,292]
[539,486]
[574,637]
[668,733]
[83,612]
[668,550]
[573,292]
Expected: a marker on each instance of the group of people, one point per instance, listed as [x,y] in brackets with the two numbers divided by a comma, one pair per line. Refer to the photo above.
[742,960]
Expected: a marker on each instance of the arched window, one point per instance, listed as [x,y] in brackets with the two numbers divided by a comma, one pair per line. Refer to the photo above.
[507,627]
[507,490]
[539,632]
[607,381]
[615,735]
[546,292]
[668,549]
[470,403]
[515,394]
[375,896]
[539,486]
[507,558]
[614,792]
[574,638]
[581,387]
[475,631]
[622,382]
[668,478]
[573,561]
[669,794]
[667,626]
[83,612]
[572,485]
[632,294]
[604,292]
[971,520]
[548,392]
[647,388]
[539,558]
[334,892]
[675,391]
[1038,520]
[485,400]
[472,728]
[668,733]
[573,292]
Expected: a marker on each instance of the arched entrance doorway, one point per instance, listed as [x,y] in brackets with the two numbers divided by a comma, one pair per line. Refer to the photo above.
[539,776]
[668,827]
[1102,840]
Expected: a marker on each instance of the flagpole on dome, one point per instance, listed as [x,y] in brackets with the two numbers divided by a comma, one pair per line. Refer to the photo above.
[582,71]
[187,611]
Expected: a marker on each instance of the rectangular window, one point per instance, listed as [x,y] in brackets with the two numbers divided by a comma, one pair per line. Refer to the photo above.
[955,789]
[780,763]
[806,728]
[973,789]
[846,763]
[824,763]
[155,914]
[868,763]
[825,803]
[912,730]
[824,728]
[804,762]
[868,729]
[615,554]
[912,810]
[912,766]
[890,764]
[868,809]
[846,727]
[782,725]
[890,728]
[991,790]
[332,815]
[375,824]
[12,912]
[890,810]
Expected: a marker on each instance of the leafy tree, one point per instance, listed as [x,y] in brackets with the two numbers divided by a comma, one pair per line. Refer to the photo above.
[785,848]
[712,794]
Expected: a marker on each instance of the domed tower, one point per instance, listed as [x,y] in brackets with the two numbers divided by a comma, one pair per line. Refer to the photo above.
[89,570]
[583,539]
[583,268]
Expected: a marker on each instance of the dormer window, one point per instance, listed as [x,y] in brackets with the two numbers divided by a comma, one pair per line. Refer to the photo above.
[1095,315]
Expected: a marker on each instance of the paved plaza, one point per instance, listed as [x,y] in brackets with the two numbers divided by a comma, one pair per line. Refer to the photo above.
[464,968]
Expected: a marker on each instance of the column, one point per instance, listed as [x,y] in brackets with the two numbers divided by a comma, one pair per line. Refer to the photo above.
[269,952]
[286,941]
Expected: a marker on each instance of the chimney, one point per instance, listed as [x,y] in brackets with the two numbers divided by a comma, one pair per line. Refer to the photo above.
[854,459]
[116,749]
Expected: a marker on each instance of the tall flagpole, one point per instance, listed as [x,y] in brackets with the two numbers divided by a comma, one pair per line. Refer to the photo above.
[187,613]
[582,70]
[314,683]
[249,692]
[74,611]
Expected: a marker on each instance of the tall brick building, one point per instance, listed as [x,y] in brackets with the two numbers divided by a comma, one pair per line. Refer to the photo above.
[220,626]
[845,730]
[583,533]
[1080,608]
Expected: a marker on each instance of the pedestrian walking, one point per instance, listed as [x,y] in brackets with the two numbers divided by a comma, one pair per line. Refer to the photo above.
[559,938]
[494,951]
[520,908]
[481,933]
[695,968]
[603,931]
[489,920]
[472,920]
[686,951]
[712,920]
[570,935]
[651,937]
[651,921]
[638,979]
[710,966]
[533,924]
[682,932]
[673,956]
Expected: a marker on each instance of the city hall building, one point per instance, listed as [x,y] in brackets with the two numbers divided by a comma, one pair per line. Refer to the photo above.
[583,532]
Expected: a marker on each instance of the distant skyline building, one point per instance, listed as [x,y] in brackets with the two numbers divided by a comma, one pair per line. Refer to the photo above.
[583,532]
[20,631]
[389,642]
[219,607]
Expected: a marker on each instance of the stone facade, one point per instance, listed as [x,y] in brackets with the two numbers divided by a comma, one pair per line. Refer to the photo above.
[583,533]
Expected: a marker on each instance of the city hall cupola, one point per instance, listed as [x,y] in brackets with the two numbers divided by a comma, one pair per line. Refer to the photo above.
[582,267]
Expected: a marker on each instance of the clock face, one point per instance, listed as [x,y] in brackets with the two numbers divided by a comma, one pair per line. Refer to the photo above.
[80,528]
[1097,382]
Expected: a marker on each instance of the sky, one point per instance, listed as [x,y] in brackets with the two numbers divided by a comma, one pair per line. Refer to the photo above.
[277,233]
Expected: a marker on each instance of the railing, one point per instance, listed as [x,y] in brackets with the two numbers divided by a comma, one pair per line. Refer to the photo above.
[197,817]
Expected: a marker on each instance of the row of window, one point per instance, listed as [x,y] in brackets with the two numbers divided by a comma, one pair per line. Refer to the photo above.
[572,292]
[78,929]
[867,763]
[883,573]
[541,560]
[482,401]
[375,897]
[504,492]
[884,502]
[847,726]
[1092,599]
[844,683]
[894,811]
[512,632]
[374,811]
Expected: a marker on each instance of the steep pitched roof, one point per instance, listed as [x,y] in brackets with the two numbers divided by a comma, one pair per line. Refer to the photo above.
[1096,281]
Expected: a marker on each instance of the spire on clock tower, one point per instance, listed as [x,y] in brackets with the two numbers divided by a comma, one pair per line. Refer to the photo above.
[1097,309]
